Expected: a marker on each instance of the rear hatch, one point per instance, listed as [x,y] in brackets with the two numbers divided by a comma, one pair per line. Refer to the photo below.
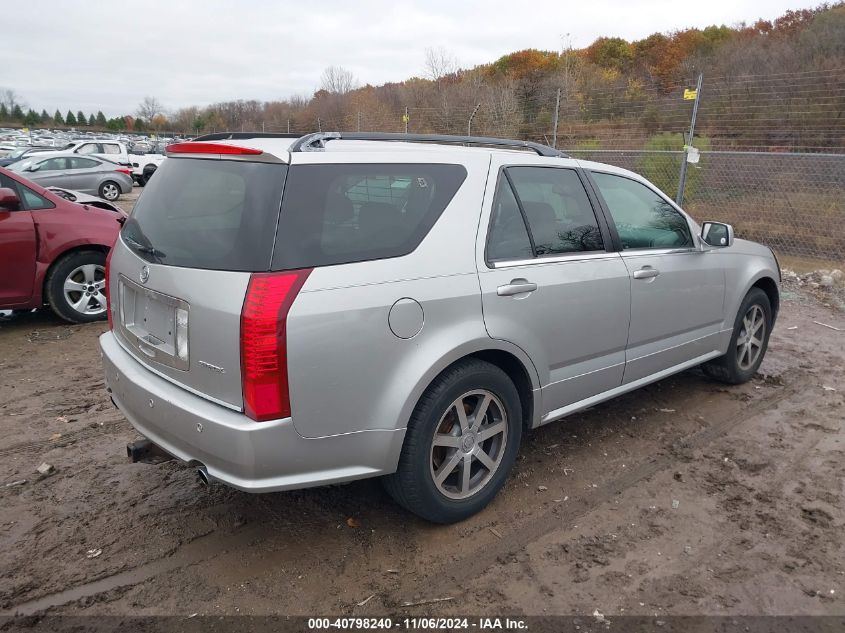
[181,269]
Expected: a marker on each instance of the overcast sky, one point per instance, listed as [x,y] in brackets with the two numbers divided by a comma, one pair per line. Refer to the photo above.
[107,55]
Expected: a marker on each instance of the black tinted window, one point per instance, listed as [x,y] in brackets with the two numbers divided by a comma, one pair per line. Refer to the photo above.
[508,237]
[214,214]
[643,218]
[558,210]
[336,214]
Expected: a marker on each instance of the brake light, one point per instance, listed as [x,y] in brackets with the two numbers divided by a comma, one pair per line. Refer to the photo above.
[264,363]
[124,170]
[106,289]
[210,148]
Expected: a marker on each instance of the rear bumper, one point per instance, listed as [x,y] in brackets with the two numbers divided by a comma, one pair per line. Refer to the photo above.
[235,450]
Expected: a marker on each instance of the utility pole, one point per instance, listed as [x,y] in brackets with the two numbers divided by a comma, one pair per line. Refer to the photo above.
[262,127]
[319,125]
[471,117]
[288,126]
[557,112]
[682,180]
[359,121]
[406,119]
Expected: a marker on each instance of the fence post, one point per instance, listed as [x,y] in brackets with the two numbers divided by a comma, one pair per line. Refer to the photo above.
[557,112]
[682,180]
[471,117]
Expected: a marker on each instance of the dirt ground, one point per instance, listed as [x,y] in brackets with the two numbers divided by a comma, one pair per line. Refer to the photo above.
[685,497]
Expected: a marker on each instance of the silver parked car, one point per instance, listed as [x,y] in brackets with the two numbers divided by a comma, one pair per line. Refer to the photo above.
[87,174]
[408,308]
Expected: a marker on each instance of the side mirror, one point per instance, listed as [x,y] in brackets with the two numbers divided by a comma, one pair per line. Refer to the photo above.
[32,167]
[9,200]
[717,234]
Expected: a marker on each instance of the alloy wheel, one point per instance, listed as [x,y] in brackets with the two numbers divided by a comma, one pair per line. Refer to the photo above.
[468,444]
[84,289]
[110,191]
[749,343]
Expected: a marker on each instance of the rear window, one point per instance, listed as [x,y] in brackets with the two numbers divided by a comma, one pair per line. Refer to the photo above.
[213,214]
[337,214]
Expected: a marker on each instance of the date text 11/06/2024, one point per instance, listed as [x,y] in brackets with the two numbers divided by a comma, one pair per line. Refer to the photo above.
[419,623]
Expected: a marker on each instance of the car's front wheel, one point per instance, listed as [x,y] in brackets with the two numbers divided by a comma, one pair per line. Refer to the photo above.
[749,341]
[109,190]
[461,443]
[76,287]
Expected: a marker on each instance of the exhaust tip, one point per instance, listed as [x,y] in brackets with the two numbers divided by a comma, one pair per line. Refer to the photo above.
[202,474]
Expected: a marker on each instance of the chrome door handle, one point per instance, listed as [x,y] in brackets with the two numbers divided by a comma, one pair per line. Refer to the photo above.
[646,272]
[516,287]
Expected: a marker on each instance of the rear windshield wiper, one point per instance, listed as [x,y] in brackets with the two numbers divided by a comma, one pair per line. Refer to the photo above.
[156,254]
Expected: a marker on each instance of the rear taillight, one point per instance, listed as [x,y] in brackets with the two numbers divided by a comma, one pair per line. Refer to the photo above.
[106,289]
[264,363]
[124,170]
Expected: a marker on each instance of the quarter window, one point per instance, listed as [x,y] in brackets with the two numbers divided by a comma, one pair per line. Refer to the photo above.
[87,148]
[643,218]
[109,148]
[337,214]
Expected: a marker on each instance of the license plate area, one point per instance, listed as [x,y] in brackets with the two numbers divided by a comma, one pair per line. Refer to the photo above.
[155,324]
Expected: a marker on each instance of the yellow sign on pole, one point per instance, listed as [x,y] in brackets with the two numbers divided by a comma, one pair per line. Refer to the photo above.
[405,118]
[690,95]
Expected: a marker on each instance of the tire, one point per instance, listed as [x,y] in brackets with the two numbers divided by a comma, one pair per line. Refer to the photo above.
[148,172]
[414,485]
[109,190]
[140,181]
[68,281]
[743,360]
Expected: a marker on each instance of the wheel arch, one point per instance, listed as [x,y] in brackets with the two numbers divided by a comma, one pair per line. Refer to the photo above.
[770,287]
[504,355]
[100,248]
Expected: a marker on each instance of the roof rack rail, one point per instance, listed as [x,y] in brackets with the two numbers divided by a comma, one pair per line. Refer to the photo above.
[317,141]
[227,136]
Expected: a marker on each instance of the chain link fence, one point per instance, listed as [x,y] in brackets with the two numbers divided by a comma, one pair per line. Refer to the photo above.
[793,202]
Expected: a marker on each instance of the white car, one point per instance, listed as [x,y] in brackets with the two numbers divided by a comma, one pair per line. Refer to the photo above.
[144,166]
[114,151]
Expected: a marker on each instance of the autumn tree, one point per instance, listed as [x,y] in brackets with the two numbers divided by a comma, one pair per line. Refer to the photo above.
[149,108]
[337,80]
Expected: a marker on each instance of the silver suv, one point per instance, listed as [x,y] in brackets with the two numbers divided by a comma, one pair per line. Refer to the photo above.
[299,312]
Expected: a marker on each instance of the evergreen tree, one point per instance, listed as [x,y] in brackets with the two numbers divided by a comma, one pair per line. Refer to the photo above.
[31,118]
[17,113]
[101,119]
[58,119]
[4,112]
[45,118]
[91,120]
[70,119]
[80,117]
[139,125]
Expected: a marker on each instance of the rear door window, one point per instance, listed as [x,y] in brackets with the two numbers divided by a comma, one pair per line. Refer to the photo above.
[336,214]
[212,214]
[557,210]
[82,163]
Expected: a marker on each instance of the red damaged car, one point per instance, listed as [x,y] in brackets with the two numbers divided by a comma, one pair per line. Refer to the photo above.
[53,251]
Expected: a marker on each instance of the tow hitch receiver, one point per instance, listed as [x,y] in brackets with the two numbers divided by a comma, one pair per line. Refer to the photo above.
[144,451]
